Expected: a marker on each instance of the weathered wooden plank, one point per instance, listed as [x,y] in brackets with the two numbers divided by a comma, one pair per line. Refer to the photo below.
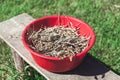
[19,62]
[90,69]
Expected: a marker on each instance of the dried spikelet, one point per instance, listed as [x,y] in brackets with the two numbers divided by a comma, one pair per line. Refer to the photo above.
[58,41]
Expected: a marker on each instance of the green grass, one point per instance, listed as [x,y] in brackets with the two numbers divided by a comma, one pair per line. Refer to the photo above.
[8,71]
[101,15]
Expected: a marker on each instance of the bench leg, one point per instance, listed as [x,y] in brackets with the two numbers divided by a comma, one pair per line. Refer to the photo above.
[19,62]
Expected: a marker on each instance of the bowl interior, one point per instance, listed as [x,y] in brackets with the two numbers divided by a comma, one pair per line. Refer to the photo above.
[50,21]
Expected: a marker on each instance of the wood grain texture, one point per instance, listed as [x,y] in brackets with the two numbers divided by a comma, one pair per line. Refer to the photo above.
[19,62]
[90,69]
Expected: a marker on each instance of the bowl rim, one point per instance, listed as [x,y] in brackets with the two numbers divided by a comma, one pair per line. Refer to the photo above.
[93,37]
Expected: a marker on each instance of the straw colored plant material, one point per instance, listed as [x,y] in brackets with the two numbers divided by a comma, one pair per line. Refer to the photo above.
[58,41]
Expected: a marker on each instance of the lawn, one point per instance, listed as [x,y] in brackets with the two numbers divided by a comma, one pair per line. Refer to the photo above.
[102,15]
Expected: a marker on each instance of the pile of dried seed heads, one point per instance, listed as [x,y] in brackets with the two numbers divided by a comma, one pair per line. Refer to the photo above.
[58,41]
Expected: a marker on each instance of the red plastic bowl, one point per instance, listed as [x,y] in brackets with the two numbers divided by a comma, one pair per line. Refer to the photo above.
[55,64]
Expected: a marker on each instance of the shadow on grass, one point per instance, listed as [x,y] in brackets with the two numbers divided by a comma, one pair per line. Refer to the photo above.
[89,67]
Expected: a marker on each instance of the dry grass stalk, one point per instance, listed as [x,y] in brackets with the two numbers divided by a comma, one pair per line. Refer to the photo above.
[58,42]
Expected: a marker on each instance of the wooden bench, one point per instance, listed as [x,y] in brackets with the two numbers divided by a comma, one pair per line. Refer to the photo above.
[90,69]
